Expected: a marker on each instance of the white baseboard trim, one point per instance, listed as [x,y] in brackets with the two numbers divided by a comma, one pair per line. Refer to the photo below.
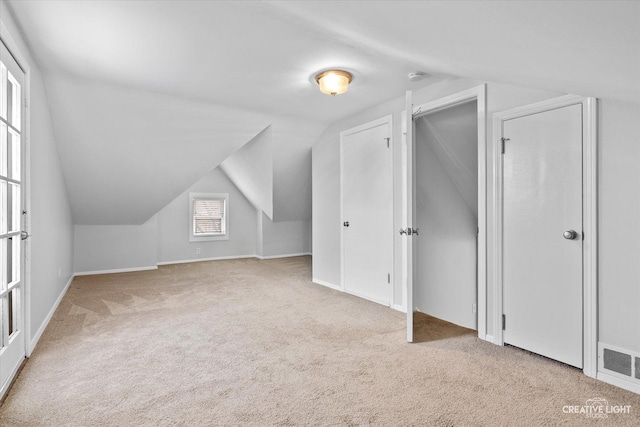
[47,319]
[221,258]
[618,382]
[488,338]
[399,307]
[115,270]
[326,284]
[283,256]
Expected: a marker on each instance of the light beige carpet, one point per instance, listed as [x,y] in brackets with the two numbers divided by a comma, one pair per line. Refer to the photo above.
[248,342]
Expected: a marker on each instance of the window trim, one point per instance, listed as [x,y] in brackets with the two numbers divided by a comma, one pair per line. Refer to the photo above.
[209,196]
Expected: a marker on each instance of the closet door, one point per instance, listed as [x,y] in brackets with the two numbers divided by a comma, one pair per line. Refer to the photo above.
[367,216]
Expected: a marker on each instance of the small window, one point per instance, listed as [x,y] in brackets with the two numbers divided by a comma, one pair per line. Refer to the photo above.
[208,216]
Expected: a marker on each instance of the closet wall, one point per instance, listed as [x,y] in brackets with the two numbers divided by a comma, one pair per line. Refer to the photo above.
[447,214]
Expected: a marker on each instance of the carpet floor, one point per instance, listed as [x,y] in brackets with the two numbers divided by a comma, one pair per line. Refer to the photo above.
[250,342]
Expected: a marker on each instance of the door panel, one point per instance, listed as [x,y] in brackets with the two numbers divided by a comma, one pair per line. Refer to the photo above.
[408,196]
[542,190]
[12,339]
[367,207]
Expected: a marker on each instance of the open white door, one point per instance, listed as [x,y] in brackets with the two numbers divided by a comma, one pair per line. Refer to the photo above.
[408,211]
[12,171]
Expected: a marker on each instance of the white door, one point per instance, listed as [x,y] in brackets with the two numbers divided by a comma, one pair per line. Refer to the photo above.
[542,233]
[408,196]
[367,211]
[12,339]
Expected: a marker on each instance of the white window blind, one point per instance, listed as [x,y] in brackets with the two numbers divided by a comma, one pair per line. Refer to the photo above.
[208,217]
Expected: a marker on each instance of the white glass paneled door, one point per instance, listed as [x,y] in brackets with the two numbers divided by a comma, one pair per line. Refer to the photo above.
[12,339]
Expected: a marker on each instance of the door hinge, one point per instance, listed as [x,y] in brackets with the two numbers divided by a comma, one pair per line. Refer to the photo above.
[503,143]
[388,141]
[504,322]
[388,277]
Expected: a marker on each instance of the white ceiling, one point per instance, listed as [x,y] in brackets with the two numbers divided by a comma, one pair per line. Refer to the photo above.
[139,89]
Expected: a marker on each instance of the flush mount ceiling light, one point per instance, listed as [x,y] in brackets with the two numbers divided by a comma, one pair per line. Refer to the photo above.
[334,82]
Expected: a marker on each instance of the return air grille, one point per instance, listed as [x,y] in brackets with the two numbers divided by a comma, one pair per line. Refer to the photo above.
[619,362]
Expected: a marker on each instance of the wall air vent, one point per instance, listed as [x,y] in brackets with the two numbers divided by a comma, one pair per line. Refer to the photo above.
[617,362]
[620,363]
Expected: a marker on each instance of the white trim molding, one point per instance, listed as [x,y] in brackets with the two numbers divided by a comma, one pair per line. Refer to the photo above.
[477,93]
[45,322]
[590,220]
[223,258]
[115,270]
[283,255]
[326,284]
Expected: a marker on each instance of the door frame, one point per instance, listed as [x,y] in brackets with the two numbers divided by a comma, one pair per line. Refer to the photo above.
[374,123]
[589,214]
[477,93]
[20,59]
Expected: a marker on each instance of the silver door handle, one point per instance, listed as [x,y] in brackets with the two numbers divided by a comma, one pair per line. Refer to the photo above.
[409,231]
[24,235]
[570,234]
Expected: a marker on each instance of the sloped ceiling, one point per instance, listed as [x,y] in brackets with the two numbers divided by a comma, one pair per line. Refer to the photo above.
[148,96]
[452,135]
[251,169]
[126,153]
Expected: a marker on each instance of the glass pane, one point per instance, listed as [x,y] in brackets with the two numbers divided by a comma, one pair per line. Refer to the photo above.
[3,149]
[13,101]
[13,155]
[210,207]
[9,259]
[13,207]
[208,226]
[2,303]
[11,313]
[3,264]
[14,261]
[3,83]
[4,220]
[9,101]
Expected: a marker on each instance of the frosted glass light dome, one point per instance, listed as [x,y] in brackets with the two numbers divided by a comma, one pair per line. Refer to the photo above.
[334,82]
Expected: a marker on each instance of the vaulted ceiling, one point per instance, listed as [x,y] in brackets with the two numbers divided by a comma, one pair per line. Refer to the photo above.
[148,96]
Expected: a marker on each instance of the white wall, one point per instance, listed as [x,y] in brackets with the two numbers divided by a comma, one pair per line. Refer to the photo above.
[285,237]
[618,201]
[164,239]
[619,224]
[446,214]
[108,248]
[326,174]
[51,222]
[251,170]
[173,224]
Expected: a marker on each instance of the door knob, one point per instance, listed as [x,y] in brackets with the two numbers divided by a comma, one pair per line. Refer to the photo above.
[570,234]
